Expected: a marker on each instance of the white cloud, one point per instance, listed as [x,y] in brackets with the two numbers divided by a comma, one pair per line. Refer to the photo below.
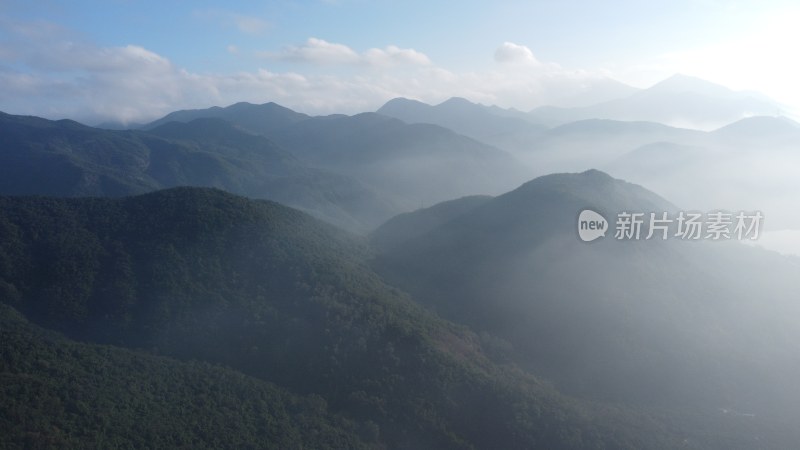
[58,75]
[318,51]
[47,47]
[513,53]
[322,52]
[393,55]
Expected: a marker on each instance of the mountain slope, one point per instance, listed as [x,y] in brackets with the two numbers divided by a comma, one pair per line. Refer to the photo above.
[406,164]
[65,158]
[460,115]
[257,119]
[749,164]
[404,227]
[505,129]
[270,292]
[417,163]
[755,130]
[337,198]
[681,325]
[61,393]
[578,146]
[68,159]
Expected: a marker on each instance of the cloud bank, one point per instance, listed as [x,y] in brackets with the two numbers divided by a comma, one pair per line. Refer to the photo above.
[48,71]
[510,52]
[321,52]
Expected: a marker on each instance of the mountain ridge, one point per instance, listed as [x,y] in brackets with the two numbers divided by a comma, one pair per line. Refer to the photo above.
[680,101]
[514,267]
[200,274]
[259,119]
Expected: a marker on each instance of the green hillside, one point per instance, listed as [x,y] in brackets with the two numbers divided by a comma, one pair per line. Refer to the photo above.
[66,159]
[704,328]
[59,393]
[198,274]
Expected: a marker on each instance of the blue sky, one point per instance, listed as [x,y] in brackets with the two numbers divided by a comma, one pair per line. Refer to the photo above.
[137,60]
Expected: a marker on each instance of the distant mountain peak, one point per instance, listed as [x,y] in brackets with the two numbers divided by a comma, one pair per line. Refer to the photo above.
[760,126]
[247,106]
[258,119]
[680,101]
[594,187]
[680,83]
[607,126]
[456,101]
[403,107]
[404,101]
[462,116]
[204,127]
[596,175]
[590,176]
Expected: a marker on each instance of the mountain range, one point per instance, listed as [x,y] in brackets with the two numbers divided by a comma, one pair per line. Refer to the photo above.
[357,171]
[64,158]
[702,145]
[270,300]
[250,276]
[747,165]
[352,171]
[211,298]
[407,163]
[461,116]
[680,101]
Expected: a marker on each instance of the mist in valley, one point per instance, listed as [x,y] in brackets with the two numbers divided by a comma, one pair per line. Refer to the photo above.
[325,243]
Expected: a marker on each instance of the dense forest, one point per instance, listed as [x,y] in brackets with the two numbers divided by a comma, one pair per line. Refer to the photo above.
[199,283]
[65,394]
[340,224]
[134,315]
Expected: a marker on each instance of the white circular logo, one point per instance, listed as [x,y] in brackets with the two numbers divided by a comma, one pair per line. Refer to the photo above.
[591,225]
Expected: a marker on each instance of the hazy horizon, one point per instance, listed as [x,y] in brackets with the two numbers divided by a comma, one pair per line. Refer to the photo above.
[393,225]
[136,61]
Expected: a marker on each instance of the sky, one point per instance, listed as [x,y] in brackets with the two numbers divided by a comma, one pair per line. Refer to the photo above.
[134,61]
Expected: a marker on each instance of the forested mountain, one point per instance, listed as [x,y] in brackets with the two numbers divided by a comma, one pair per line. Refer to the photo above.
[694,326]
[383,225]
[198,274]
[353,171]
[645,142]
[462,116]
[59,393]
[257,119]
[405,227]
[479,322]
[64,158]
[410,163]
